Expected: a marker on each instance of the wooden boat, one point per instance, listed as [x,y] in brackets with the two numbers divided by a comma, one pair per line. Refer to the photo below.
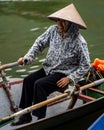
[80,117]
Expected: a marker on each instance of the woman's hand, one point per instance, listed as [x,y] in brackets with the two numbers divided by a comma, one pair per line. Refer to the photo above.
[63,82]
[21,60]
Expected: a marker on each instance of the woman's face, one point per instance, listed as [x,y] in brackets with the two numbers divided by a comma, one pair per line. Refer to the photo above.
[62,26]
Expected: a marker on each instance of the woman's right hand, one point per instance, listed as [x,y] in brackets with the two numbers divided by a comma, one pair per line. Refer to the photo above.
[22,61]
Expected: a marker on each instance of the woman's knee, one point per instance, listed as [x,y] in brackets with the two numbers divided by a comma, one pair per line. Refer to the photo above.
[38,83]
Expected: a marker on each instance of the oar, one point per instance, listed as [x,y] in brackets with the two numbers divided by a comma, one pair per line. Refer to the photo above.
[9,65]
[13,64]
[7,89]
[6,84]
[5,120]
[95,83]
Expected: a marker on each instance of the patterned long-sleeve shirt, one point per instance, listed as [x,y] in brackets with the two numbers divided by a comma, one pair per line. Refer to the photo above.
[67,54]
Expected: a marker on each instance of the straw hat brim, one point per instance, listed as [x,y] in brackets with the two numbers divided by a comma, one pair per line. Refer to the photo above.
[69,13]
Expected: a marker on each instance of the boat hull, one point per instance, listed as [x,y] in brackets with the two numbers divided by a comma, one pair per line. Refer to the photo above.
[77,119]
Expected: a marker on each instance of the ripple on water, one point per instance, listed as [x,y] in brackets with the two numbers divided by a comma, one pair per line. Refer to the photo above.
[21,70]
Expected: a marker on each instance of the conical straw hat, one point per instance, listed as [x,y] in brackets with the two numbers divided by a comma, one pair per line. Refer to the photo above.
[69,13]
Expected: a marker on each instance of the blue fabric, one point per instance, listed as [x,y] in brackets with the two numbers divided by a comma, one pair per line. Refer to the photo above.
[98,124]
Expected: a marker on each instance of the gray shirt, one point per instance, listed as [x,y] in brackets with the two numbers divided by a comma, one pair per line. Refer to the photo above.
[67,54]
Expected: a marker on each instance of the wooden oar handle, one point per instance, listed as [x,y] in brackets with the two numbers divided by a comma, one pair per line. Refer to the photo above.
[97,82]
[100,81]
[10,65]
[34,107]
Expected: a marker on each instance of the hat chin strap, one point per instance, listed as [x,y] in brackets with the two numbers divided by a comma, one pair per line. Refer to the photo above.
[68,24]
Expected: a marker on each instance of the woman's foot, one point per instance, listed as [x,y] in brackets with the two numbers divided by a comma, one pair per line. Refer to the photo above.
[22,120]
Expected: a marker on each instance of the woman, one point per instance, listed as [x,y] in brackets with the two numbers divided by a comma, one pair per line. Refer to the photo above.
[67,61]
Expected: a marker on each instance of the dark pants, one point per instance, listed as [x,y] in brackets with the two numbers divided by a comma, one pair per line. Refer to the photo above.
[36,87]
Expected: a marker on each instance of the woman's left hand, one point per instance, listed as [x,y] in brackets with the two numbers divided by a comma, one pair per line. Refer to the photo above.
[63,82]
